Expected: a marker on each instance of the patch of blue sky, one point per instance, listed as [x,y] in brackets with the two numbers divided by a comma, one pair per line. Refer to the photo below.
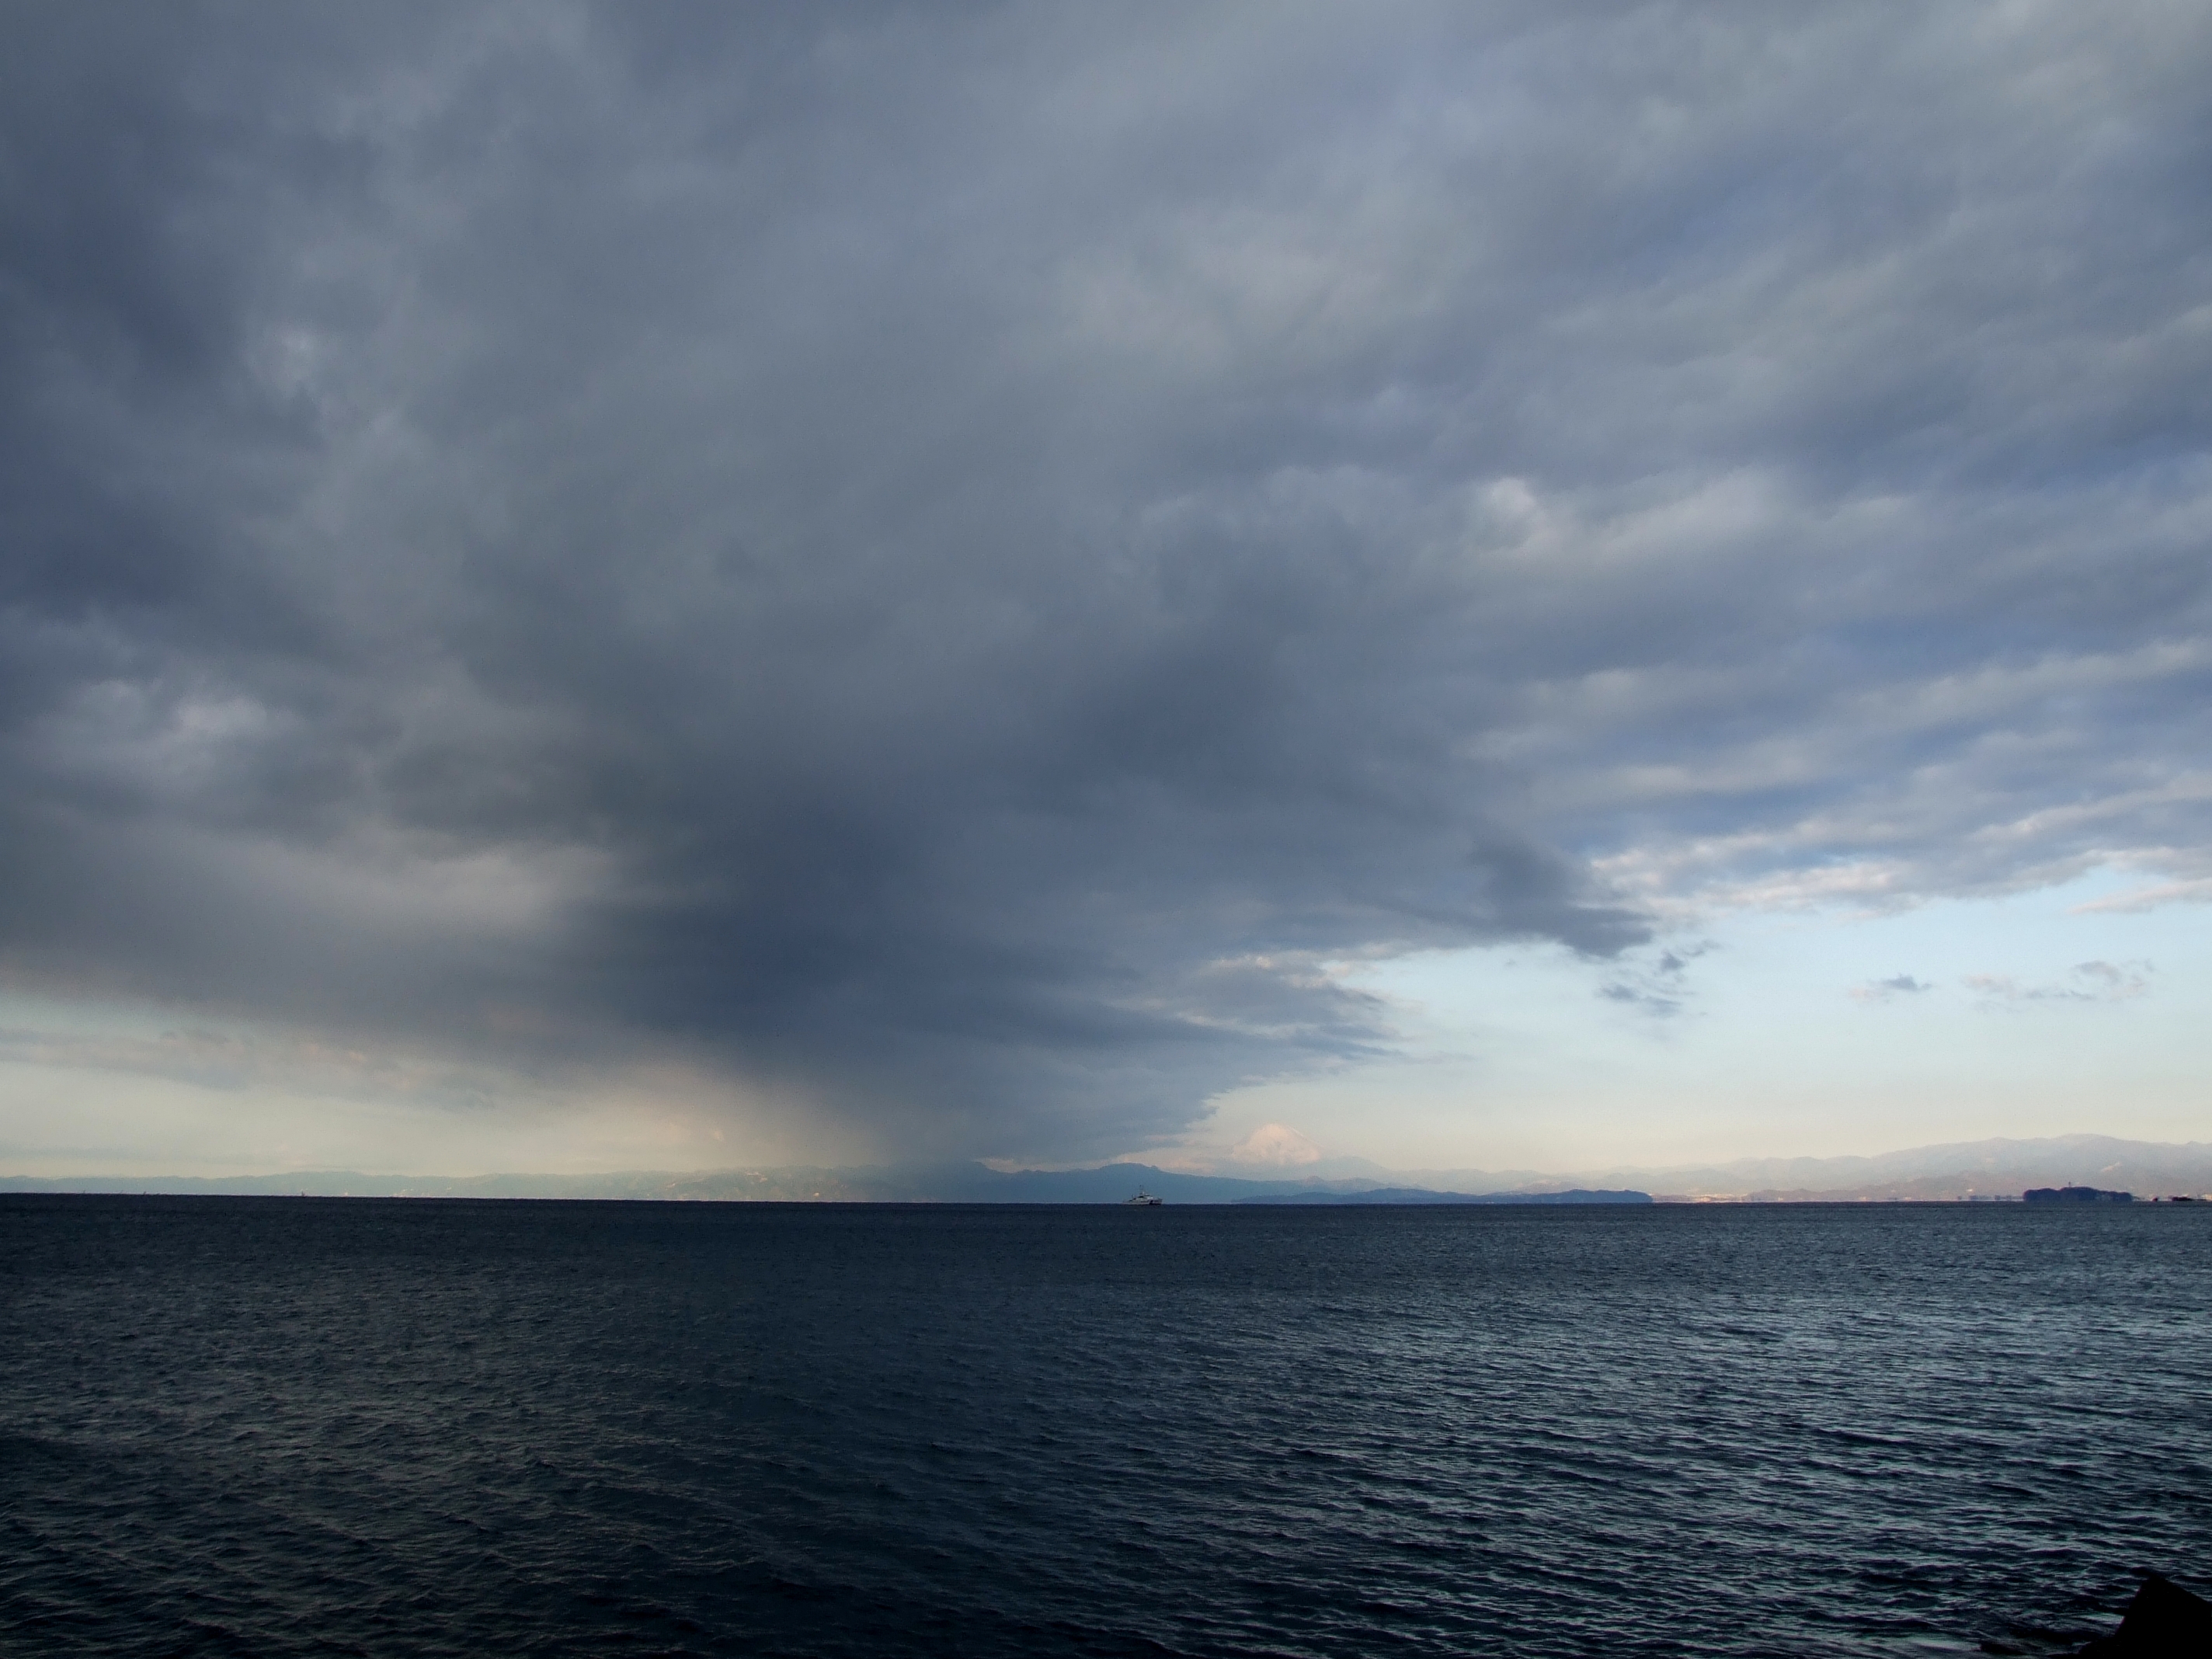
[1815,1032]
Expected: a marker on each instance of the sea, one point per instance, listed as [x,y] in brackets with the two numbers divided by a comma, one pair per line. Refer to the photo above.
[351,1426]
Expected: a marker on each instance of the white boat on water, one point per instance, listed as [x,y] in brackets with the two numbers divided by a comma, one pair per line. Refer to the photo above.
[1142,1197]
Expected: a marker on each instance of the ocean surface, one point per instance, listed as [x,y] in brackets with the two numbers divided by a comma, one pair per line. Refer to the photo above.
[272,1426]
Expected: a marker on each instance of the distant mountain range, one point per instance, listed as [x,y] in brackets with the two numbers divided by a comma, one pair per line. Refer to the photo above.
[1980,1168]
[942,1184]
[1426,1195]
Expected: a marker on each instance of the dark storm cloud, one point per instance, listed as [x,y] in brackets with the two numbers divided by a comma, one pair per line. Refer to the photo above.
[955,558]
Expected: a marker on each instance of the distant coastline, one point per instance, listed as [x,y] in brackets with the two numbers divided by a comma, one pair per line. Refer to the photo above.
[1994,1171]
[1426,1195]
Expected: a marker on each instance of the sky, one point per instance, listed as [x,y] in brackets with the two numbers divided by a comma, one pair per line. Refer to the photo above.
[682,586]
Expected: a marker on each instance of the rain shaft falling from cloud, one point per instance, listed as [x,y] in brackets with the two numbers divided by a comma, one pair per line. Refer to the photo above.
[948,563]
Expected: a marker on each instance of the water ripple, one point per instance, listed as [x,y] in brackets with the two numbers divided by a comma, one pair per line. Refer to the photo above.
[312,1427]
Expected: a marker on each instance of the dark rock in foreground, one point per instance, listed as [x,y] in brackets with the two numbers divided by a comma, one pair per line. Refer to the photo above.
[2164,1621]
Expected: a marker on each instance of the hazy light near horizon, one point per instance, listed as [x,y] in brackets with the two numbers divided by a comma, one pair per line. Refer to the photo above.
[1804,1033]
[588,588]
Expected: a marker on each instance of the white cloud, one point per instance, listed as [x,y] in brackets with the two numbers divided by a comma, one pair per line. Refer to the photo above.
[1885,990]
[1274,1146]
[2088,981]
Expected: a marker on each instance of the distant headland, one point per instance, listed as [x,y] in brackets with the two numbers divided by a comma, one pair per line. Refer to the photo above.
[2076,1195]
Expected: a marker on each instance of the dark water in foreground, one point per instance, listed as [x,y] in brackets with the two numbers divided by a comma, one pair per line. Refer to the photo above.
[395,1427]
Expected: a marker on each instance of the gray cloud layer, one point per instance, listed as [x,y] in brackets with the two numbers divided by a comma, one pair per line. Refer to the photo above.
[947,556]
